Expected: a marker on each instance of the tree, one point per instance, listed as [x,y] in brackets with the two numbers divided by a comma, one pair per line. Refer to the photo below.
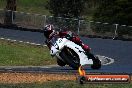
[114,11]
[9,15]
[66,8]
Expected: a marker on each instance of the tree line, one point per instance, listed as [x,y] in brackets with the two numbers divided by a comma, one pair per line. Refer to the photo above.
[111,11]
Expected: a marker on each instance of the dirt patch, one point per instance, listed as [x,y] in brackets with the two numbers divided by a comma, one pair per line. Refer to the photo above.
[13,78]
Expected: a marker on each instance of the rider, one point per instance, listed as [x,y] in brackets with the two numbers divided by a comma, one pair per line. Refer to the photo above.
[49,33]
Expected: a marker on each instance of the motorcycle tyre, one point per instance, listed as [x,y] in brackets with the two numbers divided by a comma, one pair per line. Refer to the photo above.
[60,62]
[68,58]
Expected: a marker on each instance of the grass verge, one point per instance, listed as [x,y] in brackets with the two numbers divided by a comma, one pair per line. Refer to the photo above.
[65,84]
[18,54]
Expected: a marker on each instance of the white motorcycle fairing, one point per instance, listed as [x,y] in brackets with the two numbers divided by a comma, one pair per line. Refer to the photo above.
[63,42]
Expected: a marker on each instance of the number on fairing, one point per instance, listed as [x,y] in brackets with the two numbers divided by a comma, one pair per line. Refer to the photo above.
[60,40]
[56,45]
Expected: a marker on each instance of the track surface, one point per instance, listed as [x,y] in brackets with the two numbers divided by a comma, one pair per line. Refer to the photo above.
[119,50]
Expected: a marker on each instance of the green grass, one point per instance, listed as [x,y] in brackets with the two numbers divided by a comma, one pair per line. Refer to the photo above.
[33,6]
[2,4]
[29,6]
[65,84]
[18,54]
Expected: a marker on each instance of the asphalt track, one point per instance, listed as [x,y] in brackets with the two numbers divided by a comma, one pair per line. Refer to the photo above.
[119,50]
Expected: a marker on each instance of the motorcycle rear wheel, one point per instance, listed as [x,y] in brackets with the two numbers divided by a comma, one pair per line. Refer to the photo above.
[96,61]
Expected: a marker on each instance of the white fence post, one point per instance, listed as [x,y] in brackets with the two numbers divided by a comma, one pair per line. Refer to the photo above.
[45,20]
[116,34]
[78,26]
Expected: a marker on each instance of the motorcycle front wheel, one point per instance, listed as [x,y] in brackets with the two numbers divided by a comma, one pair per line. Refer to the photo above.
[60,62]
[70,57]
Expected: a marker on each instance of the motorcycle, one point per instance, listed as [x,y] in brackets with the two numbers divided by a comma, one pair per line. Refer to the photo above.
[69,53]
